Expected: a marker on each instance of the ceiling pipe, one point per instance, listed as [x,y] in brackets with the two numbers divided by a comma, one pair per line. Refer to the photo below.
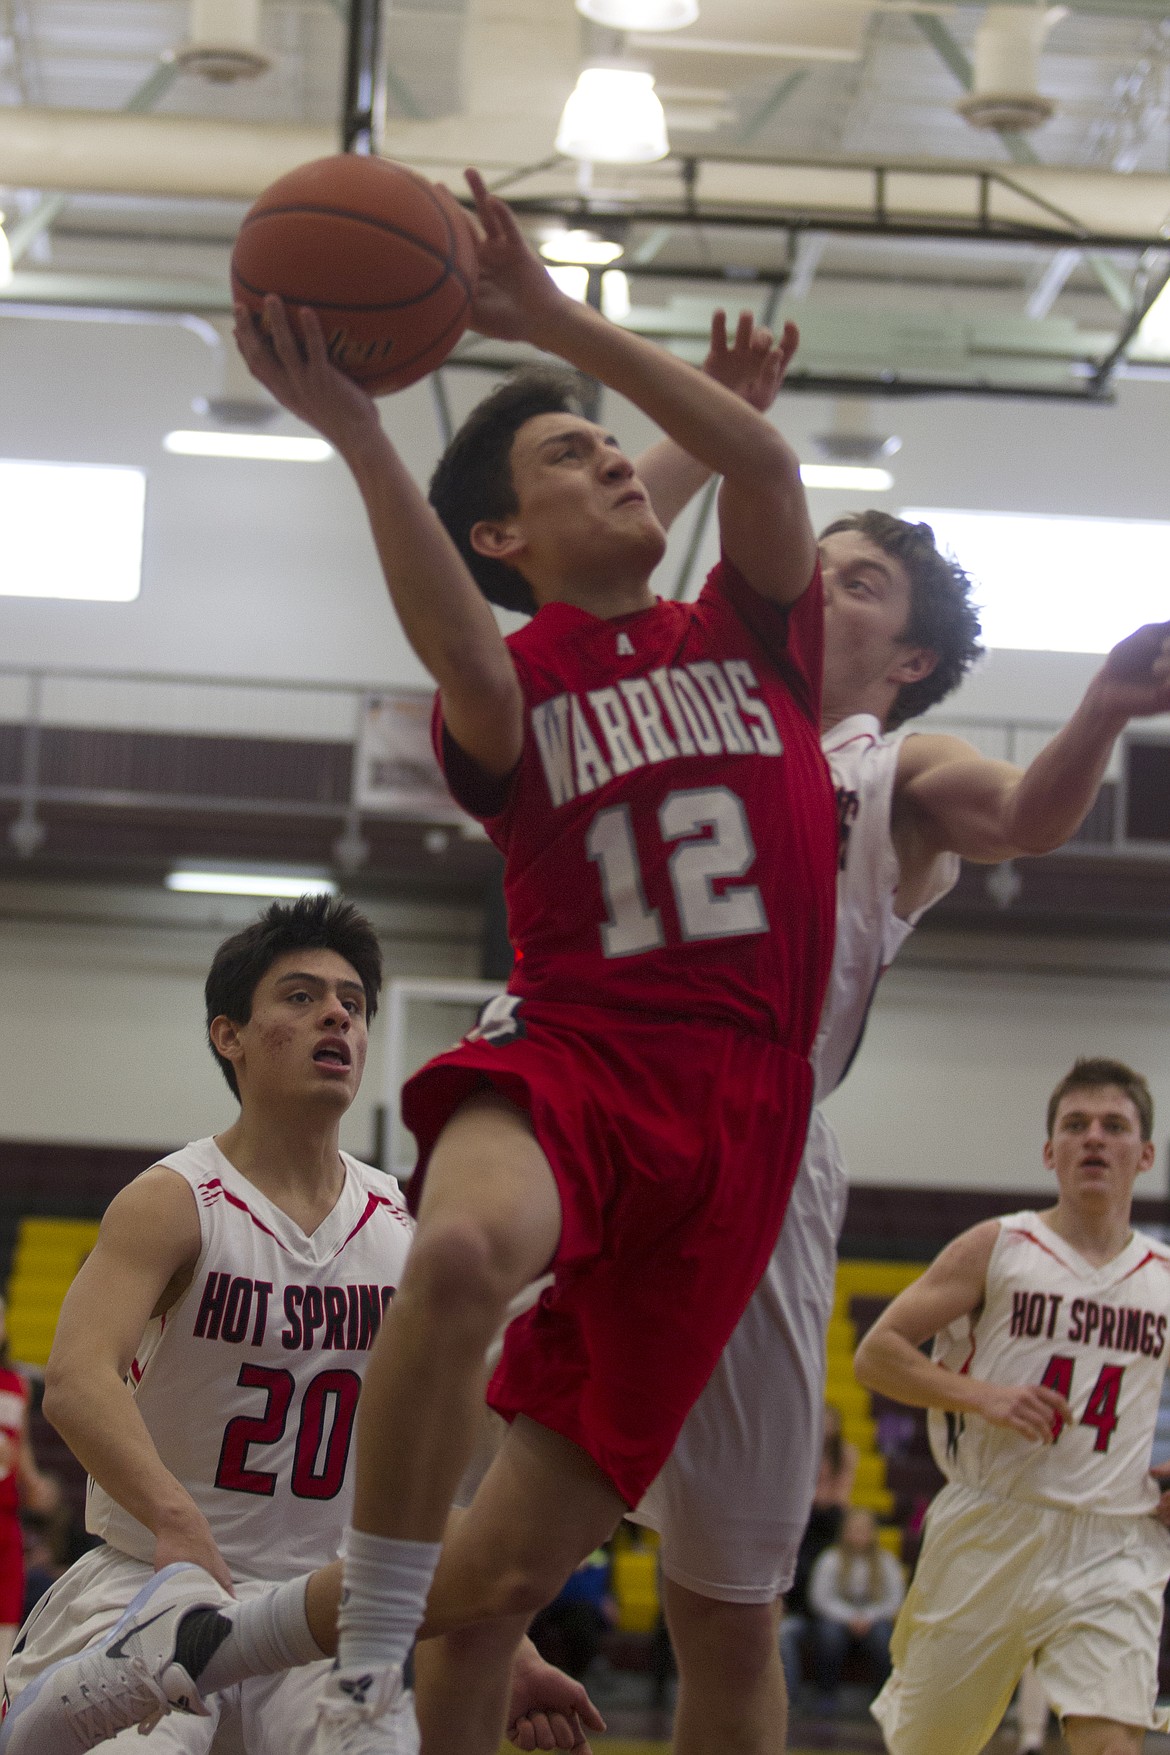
[106,152]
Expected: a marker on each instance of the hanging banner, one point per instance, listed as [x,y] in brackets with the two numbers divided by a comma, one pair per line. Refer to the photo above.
[397,774]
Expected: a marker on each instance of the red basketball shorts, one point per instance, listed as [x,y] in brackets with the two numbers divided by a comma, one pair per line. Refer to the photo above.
[674,1144]
[11,1570]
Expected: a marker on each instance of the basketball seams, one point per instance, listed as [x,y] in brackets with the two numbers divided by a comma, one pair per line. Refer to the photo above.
[436,341]
[319,241]
[449,265]
[349,304]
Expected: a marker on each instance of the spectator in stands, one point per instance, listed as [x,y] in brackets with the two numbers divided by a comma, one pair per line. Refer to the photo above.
[568,1633]
[831,1497]
[854,1593]
[834,1489]
[21,1484]
[47,1542]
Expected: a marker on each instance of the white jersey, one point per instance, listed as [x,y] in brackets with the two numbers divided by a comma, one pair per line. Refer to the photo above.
[249,1385]
[1096,1334]
[733,1498]
[864,765]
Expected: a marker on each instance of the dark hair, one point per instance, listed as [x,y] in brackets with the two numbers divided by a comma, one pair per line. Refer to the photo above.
[942,616]
[1090,1073]
[473,477]
[312,923]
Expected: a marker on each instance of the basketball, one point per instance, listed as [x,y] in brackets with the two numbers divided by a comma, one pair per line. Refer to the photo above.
[384,257]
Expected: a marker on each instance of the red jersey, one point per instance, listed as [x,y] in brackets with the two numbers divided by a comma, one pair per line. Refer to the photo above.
[669,834]
[13,1398]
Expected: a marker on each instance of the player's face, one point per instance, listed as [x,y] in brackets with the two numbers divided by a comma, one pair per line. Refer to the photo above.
[581,512]
[307,1036]
[1096,1147]
[867,608]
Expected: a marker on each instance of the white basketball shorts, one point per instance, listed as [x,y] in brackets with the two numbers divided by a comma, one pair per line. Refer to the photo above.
[1000,1581]
[270,1715]
[732,1501]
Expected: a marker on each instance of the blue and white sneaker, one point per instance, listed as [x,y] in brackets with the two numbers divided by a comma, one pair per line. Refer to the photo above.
[129,1676]
[366,1712]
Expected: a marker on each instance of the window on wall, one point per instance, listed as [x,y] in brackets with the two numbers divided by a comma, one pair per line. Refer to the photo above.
[71,530]
[1058,584]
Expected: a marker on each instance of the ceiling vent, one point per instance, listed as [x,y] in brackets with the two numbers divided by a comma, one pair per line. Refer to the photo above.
[1006,92]
[852,437]
[224,45]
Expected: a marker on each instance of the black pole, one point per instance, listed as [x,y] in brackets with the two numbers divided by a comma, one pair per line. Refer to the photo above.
[364,99]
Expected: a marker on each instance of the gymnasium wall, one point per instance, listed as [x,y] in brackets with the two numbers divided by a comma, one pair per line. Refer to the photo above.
[267,569]
[101,1029]
[951,1086]
[101,1034]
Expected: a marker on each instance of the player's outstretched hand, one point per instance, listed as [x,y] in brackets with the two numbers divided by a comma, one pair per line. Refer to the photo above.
[753,363]
[1134,681]
[548,1710]
[1032,1410]
[515,290]
[297,370]
[1161,1475]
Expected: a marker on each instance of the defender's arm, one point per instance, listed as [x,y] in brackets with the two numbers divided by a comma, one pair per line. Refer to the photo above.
[889,1361]
[752,365]
[141,1263]
[949,798]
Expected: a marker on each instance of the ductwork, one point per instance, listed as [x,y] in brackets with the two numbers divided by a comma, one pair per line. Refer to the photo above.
[92,152]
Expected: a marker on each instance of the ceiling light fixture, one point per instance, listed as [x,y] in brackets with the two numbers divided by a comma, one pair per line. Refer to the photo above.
[249,883]
[580,246]
[840,475]
[613,117]
[640,14]
[255,447]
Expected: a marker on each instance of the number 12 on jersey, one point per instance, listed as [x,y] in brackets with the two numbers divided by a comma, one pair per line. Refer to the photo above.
[710,827]
[1101,1408]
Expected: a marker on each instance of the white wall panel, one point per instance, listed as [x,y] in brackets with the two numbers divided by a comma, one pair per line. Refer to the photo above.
[101,1024]
[268,570]
[951,1084]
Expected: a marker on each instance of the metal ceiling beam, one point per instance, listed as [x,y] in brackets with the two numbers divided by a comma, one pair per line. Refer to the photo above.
[363,104]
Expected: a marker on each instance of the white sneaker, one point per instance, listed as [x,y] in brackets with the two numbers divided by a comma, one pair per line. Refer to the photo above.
[128,1676]
[366,1712]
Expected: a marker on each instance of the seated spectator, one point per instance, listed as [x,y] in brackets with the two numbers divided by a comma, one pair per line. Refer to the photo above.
[830,1500]
[831,1497]
[854,1593]
[569,1632]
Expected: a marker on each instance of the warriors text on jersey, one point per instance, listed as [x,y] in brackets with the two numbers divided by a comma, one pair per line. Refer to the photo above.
[1097,1335]
[670,830]
[248,1386]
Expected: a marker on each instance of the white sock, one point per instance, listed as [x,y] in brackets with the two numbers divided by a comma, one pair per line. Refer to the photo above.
[383,1599]
[269,1633]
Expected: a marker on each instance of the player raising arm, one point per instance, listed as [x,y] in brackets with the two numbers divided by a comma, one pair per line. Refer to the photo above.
[1048,1543]
[652,773]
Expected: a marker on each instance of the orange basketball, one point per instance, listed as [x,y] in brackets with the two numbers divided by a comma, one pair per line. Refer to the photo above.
[387,260]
